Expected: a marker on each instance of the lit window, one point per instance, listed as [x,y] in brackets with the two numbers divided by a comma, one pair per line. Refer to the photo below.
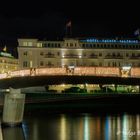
[39,44]
[25,44]
[30,43]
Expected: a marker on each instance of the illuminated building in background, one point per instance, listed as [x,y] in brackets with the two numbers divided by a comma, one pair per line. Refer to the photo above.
[75,52]
[7,62]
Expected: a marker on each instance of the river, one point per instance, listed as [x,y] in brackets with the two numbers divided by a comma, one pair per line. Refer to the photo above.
[76,126]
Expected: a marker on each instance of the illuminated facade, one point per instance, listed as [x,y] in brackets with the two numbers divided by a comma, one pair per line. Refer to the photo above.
[78,53]
[7,62]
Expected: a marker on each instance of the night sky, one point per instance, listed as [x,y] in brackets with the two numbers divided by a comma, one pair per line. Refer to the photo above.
[47,20]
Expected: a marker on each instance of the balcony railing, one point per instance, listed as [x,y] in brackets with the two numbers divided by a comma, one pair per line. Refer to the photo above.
[93,56]
[71,56]
[134,57]
[49,56]
[113,57]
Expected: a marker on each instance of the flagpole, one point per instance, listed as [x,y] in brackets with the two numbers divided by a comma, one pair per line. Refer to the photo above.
[68,29]
[66,34]
[71,31]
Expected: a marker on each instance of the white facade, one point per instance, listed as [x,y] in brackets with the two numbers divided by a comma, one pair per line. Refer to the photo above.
[78,52]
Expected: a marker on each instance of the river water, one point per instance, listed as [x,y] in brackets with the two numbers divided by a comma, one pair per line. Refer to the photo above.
[76,126]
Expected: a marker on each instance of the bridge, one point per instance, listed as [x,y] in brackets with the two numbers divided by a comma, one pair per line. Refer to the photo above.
[71,75]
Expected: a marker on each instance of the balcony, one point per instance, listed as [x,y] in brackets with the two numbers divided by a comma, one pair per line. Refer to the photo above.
[113,57]
[71,56]
[93,56]
[134,57]
[49,56]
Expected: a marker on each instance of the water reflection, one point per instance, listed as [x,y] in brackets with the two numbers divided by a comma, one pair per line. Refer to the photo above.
[86,128]
[77,127]
[63,128]
[13,133]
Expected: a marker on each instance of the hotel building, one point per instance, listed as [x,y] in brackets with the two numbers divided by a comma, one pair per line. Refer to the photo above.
[7,63]
[34,53]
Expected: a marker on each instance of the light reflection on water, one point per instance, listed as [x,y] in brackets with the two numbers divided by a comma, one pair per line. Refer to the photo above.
[76,127]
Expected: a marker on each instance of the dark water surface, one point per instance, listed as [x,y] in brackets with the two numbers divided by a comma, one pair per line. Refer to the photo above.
[80,126]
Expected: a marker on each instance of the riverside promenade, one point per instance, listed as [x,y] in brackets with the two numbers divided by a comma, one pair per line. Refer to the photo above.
[80,101]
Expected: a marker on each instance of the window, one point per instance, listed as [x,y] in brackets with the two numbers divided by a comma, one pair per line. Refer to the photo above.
[90,45]
[39,44]
[100,54]
[30,43]
[55,45]
[84,54]
[58,53]
[112,46]
[124,46]
[58,44]
[119,64]
[25,64]
[41,63]
[71,44]
[49,63]
[25,53]
[48,44]
[25,44]
[87,45]
[83,45]
[100,64]
[41,53]
[93,64]
[108,64]
[114,64]
[113,54]
[118,54]
[133,55]
[127,55]
[108,45]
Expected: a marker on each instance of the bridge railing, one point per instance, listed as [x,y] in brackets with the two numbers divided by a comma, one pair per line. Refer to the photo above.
[91,71]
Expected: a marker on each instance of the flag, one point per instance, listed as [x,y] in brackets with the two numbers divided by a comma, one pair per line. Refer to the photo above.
[68,24]
[5,49]
[137,32]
